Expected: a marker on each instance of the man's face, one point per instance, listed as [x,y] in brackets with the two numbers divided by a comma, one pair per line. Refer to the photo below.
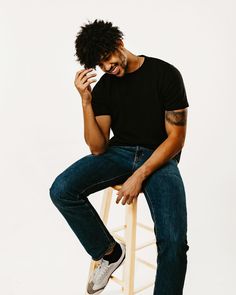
[115,63]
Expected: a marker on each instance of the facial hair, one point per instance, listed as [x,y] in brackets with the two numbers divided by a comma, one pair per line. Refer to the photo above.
[121,62]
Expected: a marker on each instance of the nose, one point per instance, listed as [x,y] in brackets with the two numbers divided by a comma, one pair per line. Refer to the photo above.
[107,67]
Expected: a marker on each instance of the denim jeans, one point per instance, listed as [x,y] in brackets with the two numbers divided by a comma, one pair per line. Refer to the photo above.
[165,195]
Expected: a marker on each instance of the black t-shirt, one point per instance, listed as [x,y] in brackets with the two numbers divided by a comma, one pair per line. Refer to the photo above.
[137,102]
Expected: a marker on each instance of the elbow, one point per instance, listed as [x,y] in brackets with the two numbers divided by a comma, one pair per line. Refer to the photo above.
[95,153]
[98,151]
[177,140]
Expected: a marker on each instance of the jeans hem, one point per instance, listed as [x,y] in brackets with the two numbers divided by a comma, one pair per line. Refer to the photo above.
[105,251]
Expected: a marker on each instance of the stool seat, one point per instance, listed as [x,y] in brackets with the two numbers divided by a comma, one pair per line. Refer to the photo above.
[127,281]
[117,186]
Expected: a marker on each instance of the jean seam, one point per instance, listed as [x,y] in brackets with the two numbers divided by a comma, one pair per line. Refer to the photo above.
[145,191]
[112,243]
[94,184]
[134,162]
[101,223]
[98,220]
[135,159]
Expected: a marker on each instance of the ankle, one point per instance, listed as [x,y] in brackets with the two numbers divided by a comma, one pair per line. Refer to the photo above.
[110,251]
[115,254]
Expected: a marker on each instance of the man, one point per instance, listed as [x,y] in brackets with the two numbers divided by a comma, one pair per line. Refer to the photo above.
[143,100]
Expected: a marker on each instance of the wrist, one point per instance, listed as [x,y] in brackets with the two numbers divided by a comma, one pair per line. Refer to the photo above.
[141,173]
[86,103]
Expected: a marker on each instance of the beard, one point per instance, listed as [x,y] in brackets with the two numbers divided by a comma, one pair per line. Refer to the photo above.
[123,62]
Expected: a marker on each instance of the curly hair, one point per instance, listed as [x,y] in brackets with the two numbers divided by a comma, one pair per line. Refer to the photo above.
[96,40]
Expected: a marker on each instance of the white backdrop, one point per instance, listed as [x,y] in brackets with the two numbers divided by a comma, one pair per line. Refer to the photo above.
[42,134]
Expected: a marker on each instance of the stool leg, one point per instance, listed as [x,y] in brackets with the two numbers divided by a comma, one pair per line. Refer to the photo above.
[106,203]
[130,238]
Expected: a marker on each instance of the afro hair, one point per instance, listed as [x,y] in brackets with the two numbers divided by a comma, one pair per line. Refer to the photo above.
[96,40]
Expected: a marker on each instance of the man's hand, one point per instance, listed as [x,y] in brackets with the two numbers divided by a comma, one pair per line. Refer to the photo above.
[82,84]
[130,189]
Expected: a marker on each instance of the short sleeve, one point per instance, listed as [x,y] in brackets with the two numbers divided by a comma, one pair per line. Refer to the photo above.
[100,97]
[173,90]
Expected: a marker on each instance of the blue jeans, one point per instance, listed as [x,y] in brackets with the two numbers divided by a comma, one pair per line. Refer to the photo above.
[165,195]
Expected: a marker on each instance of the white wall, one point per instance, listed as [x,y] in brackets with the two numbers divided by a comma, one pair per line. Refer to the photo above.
[41,128]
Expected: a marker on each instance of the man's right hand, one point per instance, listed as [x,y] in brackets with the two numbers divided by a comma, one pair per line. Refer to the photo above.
[82,84]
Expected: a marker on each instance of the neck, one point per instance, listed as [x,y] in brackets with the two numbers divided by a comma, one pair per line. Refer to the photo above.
[134,62]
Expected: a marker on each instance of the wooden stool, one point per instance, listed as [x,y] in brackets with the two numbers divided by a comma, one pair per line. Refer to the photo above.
[127,282]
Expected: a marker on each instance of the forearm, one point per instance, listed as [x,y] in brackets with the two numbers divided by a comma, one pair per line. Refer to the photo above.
[92,133]
[165,151]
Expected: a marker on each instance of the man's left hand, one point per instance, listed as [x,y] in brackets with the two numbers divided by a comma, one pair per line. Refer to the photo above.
[130,189]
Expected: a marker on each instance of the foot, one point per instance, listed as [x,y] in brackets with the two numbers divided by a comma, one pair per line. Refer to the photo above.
[102,273]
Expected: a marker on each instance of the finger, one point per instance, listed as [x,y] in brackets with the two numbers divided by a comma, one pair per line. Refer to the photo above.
[89,82]
[78,73]
[130,200]
[119,197]
[86,77]
[84,72]
[92,75]
[118,200]
[125,198]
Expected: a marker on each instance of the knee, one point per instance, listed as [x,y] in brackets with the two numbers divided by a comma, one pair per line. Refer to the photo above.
[58,190]
[173,249]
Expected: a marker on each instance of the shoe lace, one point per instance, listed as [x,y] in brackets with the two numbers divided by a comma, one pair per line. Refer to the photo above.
[101,270]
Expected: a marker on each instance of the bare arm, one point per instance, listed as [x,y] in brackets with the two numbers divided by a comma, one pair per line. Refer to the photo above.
[93,133]
[175,124]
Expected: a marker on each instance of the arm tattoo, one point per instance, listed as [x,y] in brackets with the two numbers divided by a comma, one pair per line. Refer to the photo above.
[176,117]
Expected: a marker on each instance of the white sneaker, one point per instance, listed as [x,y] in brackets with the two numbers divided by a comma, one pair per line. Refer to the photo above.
[102,273]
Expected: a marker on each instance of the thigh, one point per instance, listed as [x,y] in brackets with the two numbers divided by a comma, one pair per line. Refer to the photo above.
[165,194]
[95,172]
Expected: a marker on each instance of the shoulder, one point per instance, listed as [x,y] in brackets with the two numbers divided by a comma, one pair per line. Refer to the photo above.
[104,78]
[166,72]
[102,82]
[163,65]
